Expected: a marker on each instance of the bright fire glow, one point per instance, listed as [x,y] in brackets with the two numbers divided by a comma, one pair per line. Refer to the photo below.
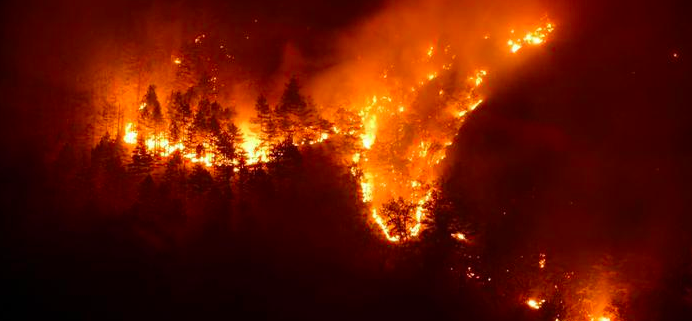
[536,37]
[534,303]
[541,261]
[460,236]
[413,180]
[130,134]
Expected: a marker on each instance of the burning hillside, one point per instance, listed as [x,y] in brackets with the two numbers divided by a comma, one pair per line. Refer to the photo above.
[394,140]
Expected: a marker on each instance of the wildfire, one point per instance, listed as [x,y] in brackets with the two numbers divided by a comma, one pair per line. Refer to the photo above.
[366,187]
[414,179]
[160,145]
[388,166]
[383,226]
[460,236]
[412,183]
[390,162]
[253,148]
[369,125]
[541,261]
[536,37]
[130,136]
[535,303]
[478,78]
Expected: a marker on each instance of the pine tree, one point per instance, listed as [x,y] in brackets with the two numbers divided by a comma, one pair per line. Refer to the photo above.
[214,126]
[284,158]
[142,160]
[106,165]
[179,113]
[175,171]
[200,180]
[265,121]
[174,131]
[147,191]
[174,176]
[150,109]
[236,137]
[200,123]
[224,146]
[292,107]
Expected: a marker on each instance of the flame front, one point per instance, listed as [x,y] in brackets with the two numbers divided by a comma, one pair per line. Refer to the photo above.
[535,37]
[403,131]
[410,170]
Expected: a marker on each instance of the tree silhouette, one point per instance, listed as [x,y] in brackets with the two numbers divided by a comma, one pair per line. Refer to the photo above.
[202,118]
[150,110]
[293,109]
[200,180]
[142,160]
[398,216]
[174,174]
[179,113]
[265,121]
[284,158]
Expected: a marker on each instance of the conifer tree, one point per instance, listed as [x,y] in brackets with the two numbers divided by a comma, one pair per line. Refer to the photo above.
[292,107]
[179,113]
[142,160]
[150,109]
[265,121]
[200,180]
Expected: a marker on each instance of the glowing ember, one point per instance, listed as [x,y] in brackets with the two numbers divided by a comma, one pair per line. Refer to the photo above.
[534,303]
[541,261]
[460,236]
[535,37]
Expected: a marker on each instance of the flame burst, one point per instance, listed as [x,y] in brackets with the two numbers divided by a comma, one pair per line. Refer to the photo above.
[535,303]
[535,37]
